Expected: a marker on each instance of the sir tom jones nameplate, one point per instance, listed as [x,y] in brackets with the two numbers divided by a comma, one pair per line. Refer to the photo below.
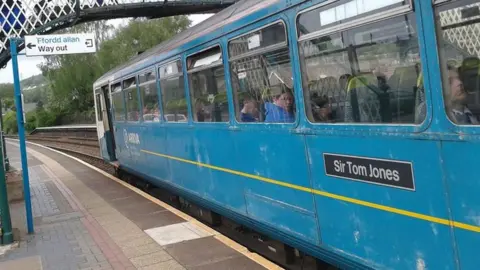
[392,173]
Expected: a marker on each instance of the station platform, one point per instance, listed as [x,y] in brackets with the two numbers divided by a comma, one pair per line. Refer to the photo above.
[87,219]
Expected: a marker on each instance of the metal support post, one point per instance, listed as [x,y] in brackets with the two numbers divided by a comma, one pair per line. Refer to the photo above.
[6,162]
[7,236]
[21,133]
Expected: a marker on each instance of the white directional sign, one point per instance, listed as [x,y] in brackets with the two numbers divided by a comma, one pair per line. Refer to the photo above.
[60,44]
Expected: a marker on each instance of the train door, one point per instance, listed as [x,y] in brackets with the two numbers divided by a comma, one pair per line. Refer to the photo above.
[376,174]
[457,36]
[118,114]
[99,122]
[150,115]
[108,123]
[132,129]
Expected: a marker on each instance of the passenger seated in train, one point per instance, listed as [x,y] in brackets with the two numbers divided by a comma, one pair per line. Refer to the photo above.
[382,83]
[146,110]
[456,99]
[199,111]
[343,81]
[249,112]
[156,113]
[281,110]
[321,110]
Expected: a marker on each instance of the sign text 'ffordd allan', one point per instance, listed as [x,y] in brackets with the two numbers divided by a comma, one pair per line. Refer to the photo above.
[59,44]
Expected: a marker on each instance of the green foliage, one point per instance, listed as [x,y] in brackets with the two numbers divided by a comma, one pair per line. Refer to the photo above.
[33,81]
[139,36]
[46,118]
[71,77]
[10,122]
[8,103]
[6,90]
[34,119]
[63,93]
[30,121]
[35,95]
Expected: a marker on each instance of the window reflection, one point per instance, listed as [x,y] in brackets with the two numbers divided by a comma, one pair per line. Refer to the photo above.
[368,74]
[262,76]
[149,95]
[131,99]
[118,107]
[458,35]
[207,87]
[173,92]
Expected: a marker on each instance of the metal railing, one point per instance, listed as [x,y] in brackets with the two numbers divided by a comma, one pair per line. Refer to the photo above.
[35,17]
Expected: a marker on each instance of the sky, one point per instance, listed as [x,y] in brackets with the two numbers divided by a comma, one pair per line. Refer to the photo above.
[28,66]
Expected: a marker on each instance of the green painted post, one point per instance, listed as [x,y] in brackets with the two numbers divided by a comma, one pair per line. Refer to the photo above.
[7,236]
[6,162]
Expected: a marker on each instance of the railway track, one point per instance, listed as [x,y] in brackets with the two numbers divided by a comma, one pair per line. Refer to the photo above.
[87,149]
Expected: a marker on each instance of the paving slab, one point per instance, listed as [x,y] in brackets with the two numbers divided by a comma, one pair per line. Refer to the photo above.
[175,233]
[29,263]
[236,263]
[202,251]
[85,220]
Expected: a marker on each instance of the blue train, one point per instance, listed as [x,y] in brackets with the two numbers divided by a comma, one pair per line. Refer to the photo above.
[346,129]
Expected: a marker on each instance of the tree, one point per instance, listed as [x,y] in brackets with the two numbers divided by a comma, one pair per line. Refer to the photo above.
[6,90]
[139,36]
[8,104]
[71,77]
[34,95]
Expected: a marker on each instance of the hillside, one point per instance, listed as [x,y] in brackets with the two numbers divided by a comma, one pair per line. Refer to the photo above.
[33,82]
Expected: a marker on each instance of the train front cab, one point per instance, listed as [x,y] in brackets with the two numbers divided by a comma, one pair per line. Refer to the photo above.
[371,169]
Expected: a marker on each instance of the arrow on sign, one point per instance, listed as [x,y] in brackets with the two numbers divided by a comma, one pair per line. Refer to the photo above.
[89,43]
[30,45]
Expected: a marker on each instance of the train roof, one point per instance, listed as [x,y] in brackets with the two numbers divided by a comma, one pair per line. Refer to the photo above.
[222,18]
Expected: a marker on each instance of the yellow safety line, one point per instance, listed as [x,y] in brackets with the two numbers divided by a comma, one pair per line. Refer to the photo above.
[220,237]
[328,195]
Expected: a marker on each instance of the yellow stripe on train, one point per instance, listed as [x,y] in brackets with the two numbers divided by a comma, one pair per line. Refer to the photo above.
[442,221]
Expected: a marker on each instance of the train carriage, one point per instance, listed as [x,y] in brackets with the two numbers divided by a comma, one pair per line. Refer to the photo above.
[347,129]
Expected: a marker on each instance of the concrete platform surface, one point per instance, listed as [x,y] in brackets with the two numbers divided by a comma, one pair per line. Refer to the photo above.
[28,263]
[85,219]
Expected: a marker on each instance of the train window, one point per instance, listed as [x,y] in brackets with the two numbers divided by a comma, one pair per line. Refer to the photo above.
[149,95]
[117,102]
[207,86]
[367,74]
[262,76]
[317,19]
[99,107]
[173,92]
[146,77]
[131,98]
[271,35]
[458,25]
